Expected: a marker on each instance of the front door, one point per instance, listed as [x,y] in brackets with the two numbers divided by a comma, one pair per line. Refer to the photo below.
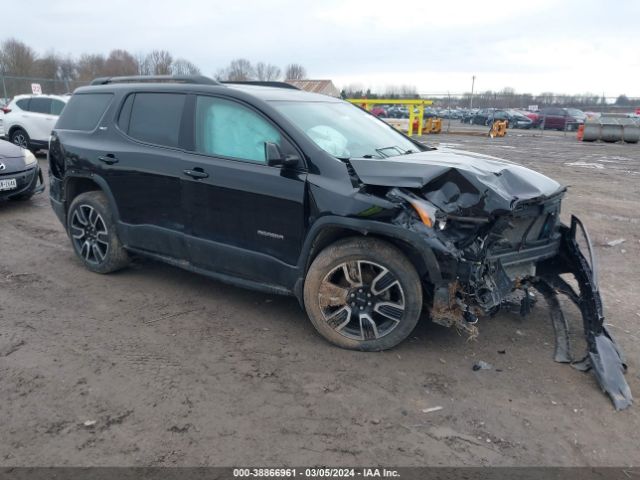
[246,218]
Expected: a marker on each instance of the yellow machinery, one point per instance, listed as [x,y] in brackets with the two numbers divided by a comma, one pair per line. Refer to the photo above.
[367,103]
[498,129]
[433,125]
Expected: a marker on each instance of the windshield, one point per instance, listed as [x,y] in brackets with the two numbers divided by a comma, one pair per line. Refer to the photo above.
[345,131]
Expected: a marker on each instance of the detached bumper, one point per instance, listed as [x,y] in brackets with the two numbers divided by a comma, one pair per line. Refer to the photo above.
[603,354]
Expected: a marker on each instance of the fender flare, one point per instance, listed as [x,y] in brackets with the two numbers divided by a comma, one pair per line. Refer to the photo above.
[366,227]
[101,182]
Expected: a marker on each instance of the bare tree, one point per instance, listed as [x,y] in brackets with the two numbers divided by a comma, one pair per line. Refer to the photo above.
[184,67]
[267,72]
[46,66]
[90,66]
[143,64]
[159,62]
[68,70]
[16,58]
[295,71]
[120,62]
[239,70]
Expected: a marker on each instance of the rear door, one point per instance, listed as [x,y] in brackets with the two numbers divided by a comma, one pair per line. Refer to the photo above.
[142,163]
[246,218]
[40,120]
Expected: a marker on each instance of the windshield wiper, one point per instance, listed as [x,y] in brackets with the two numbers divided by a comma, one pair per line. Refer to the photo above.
[382,150]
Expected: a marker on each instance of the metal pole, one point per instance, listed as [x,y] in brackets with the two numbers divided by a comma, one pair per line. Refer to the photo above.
[449,110]
[4,86]
[473,81]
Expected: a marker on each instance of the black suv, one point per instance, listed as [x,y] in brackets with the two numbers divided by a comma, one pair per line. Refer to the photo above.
[276,189]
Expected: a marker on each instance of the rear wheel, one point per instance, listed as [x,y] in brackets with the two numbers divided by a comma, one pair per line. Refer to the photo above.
[93,234]
[20,138]
[363,294]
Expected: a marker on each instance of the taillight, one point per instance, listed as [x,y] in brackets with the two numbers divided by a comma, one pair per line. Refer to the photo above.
[5,109]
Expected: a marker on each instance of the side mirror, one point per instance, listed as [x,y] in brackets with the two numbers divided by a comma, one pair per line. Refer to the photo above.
[275,157]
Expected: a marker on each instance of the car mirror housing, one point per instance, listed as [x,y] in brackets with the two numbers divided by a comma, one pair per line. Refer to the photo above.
[275,157]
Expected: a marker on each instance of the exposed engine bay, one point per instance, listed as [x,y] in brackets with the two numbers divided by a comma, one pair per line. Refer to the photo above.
[495,230]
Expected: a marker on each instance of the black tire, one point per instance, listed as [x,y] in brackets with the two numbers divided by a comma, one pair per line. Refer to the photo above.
[374,314]
[21,138]
[96,241]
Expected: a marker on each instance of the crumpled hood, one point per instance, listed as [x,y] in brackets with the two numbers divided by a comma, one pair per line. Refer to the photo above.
[457,181]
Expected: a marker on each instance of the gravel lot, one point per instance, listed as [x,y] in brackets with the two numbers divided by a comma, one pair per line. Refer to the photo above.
[177,369]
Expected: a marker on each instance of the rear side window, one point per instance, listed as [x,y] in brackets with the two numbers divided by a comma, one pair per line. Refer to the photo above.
[57,106]
[156,117]
[84,111]
[23,104]
[40,105]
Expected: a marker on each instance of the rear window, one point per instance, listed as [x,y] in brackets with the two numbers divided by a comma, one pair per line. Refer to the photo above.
[156,117]
[84,111]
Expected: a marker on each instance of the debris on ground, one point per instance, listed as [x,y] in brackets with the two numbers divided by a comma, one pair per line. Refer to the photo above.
[480,365]
[502,352]
[617,241]
[431,409]
[89,423]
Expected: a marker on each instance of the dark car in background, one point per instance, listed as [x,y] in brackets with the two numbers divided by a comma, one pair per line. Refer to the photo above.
[514,119]
[20,175]
[557,118]
[379,111]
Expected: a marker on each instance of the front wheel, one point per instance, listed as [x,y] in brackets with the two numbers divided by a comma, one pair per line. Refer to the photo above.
[363,294]
[93,233]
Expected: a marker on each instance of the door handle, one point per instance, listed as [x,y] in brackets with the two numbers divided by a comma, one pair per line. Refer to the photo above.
[109,159]
[196,173]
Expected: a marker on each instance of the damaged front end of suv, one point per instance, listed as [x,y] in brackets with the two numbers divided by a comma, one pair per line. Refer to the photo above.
[495,230]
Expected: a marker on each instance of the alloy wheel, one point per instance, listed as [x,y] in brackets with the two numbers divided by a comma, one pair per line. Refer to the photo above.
[361,300]
[89,233]
[20,139]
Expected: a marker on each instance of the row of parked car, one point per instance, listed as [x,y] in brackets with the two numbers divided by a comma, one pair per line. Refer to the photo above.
[26,123]
[549,117]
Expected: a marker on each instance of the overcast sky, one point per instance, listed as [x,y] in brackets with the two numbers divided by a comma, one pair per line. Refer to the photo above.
[564,46]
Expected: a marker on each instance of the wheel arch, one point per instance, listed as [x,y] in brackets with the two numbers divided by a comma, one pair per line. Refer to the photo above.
[327,231]
[14,127]
[75,185]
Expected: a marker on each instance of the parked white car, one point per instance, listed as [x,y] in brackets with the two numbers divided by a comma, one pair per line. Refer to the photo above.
[29,119]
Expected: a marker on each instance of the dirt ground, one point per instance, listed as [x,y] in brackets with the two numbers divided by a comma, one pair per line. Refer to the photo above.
[177,369]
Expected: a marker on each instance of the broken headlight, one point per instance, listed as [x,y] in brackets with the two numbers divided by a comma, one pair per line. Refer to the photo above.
[428,213]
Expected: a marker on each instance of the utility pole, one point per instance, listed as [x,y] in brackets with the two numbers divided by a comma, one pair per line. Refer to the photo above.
[473,81]
[4,85]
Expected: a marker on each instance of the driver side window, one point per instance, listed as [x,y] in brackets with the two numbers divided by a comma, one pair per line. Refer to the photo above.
[228,129]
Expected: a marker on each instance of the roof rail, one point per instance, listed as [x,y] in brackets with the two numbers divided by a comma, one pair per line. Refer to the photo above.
[195,79]
[263,84]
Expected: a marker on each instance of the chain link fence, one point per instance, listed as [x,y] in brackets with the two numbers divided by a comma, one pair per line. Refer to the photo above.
[10,86]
